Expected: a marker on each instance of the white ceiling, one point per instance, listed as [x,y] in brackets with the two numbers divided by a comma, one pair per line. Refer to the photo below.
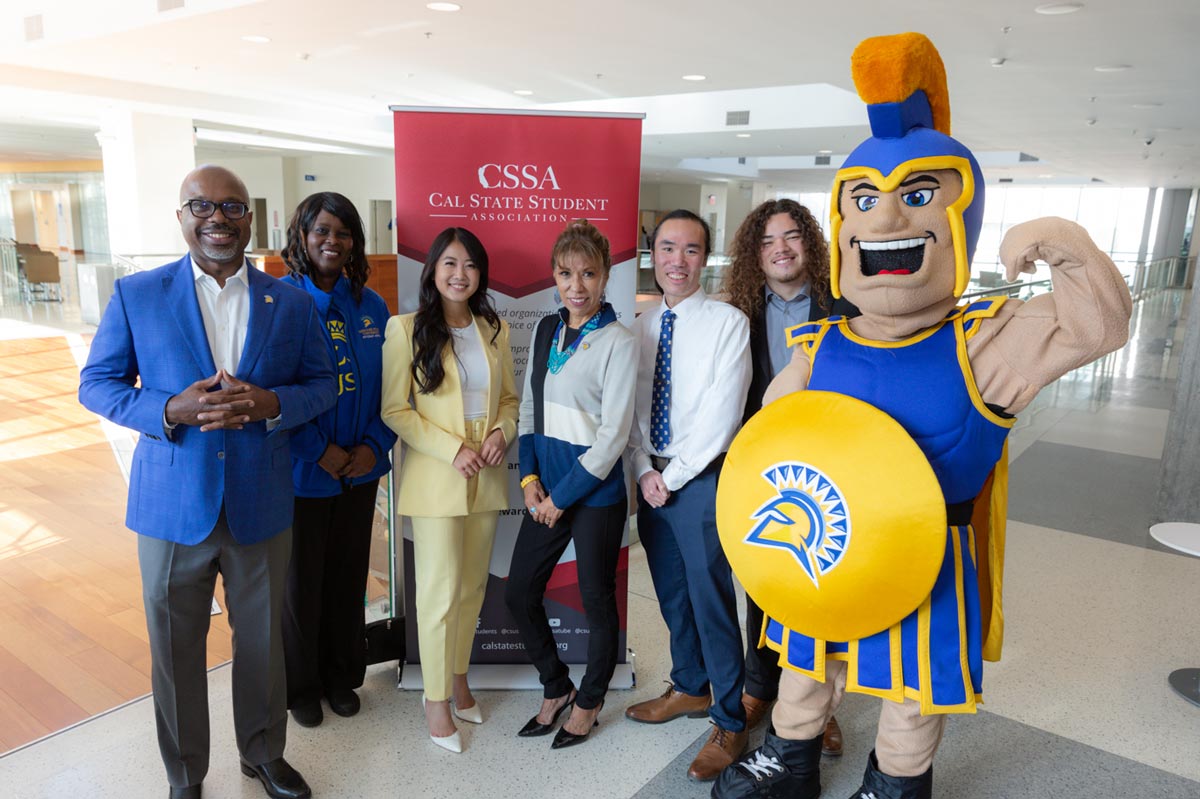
[330,72]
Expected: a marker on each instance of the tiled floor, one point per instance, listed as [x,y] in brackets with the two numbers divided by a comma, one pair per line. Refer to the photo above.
[1096,614]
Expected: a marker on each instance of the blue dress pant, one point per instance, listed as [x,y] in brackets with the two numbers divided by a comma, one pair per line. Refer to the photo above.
[694,585]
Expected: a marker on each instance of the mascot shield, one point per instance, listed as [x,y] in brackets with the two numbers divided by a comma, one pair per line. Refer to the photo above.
[831,516]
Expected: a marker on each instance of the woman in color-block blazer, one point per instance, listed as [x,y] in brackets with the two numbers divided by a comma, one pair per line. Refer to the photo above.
[449,393]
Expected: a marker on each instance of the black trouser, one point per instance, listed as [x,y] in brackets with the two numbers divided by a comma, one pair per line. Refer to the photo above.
[597,535]
[762,663]
[324,635]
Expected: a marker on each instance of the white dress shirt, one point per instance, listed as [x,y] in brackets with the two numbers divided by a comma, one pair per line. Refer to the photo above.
[226,314]
[710,375]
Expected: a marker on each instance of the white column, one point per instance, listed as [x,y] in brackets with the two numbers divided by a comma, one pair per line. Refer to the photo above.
[146,157]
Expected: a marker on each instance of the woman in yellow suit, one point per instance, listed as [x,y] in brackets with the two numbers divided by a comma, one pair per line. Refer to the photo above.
[449,393]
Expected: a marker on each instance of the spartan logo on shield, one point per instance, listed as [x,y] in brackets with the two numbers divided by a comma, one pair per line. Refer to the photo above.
[807,517]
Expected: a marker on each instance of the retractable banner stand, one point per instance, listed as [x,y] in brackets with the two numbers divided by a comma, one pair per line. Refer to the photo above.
[515,179]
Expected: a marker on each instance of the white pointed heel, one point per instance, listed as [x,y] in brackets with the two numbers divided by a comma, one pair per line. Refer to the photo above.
[451,742]
[472,714]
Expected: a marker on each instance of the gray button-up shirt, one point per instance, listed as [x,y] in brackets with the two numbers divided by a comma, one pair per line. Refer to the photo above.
[780,315]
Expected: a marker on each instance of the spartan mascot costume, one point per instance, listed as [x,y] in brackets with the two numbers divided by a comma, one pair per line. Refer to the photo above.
[863,508]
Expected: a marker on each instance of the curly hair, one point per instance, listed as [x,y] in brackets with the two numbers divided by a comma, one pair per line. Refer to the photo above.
[580,237]
[744,279]
[295,252]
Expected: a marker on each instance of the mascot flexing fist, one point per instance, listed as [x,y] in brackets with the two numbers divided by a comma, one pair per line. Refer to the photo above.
[863,508]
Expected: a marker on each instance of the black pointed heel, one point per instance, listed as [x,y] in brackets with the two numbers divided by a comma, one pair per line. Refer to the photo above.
[563,739]
[533,728]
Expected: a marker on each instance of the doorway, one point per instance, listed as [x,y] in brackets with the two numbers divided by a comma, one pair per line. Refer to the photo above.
[259,206]
[42,216]
[381,227]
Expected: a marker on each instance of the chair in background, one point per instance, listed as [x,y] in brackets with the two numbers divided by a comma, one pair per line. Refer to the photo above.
[42,278]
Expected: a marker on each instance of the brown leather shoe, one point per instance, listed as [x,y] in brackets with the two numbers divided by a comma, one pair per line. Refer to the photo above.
[757,710]
[831,743]
[668,707]
[723,748]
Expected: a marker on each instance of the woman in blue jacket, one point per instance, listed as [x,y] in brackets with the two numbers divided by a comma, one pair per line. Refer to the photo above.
[337,461]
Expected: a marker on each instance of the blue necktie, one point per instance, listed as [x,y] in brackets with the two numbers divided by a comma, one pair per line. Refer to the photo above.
[660,407]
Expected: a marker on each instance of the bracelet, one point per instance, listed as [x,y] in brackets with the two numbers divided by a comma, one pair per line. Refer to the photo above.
[529,479]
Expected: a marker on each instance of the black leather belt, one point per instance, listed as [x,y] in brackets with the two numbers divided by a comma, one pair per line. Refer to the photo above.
[659,463]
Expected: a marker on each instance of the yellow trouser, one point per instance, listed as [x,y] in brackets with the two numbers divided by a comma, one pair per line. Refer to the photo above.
[450,561]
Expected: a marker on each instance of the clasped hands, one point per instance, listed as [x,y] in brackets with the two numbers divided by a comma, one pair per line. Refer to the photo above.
[541,507]
[469,463]
[654,489]
[345,463]
[231,406]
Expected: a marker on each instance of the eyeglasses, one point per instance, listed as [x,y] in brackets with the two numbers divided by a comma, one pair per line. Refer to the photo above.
[203,209]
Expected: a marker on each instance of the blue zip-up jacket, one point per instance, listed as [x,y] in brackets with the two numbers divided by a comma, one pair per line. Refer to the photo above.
[355,418]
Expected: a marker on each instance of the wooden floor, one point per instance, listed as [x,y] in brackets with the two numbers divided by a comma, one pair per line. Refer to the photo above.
[72,631]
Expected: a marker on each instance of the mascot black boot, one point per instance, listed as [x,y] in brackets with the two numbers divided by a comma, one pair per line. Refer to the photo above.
[779,769]
[877,785]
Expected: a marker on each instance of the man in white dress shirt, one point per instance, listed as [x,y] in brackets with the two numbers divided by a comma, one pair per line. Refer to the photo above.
[693,374]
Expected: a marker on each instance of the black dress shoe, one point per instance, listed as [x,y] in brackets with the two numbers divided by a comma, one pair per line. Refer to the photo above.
[534,728]
[190,792]
[280,780]
[309,714]
[563,739]
[343,701]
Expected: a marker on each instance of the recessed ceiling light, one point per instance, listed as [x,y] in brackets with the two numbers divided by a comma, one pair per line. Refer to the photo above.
[695,77]
[1146,105]
[743,135]
[1058,9]
[257,39]
[824,152]
[443,6]
[1112,67]
[1044,177]
[523,92]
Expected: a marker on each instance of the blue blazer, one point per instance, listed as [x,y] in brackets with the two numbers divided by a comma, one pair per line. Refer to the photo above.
[150,346]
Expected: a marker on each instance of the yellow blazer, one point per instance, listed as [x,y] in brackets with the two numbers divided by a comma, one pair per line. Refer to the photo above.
[431,425]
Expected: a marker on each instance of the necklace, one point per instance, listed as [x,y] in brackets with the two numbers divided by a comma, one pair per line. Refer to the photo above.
[558,356]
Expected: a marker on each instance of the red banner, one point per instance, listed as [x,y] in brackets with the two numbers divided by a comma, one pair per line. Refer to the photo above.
[515,180]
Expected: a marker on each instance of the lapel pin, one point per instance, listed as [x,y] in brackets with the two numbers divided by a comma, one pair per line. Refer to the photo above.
[585,346]
[268,298]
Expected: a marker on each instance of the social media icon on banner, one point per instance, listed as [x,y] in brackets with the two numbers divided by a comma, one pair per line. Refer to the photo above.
[555,622]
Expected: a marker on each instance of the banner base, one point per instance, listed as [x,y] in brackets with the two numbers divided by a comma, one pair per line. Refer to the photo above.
[513,676]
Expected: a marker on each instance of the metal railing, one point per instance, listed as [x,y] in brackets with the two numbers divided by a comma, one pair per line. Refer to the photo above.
[10,273]
[1151,277]
[140,261]
[1021,290]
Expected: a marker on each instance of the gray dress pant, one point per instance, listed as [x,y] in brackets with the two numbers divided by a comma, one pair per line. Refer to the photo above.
[177,587]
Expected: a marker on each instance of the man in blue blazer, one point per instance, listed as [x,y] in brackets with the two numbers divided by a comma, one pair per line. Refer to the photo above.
[212,362]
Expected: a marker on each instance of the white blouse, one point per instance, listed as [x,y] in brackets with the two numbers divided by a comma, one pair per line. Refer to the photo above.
[472,370]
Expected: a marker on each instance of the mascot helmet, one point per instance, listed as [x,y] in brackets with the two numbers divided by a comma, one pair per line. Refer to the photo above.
[903,81]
